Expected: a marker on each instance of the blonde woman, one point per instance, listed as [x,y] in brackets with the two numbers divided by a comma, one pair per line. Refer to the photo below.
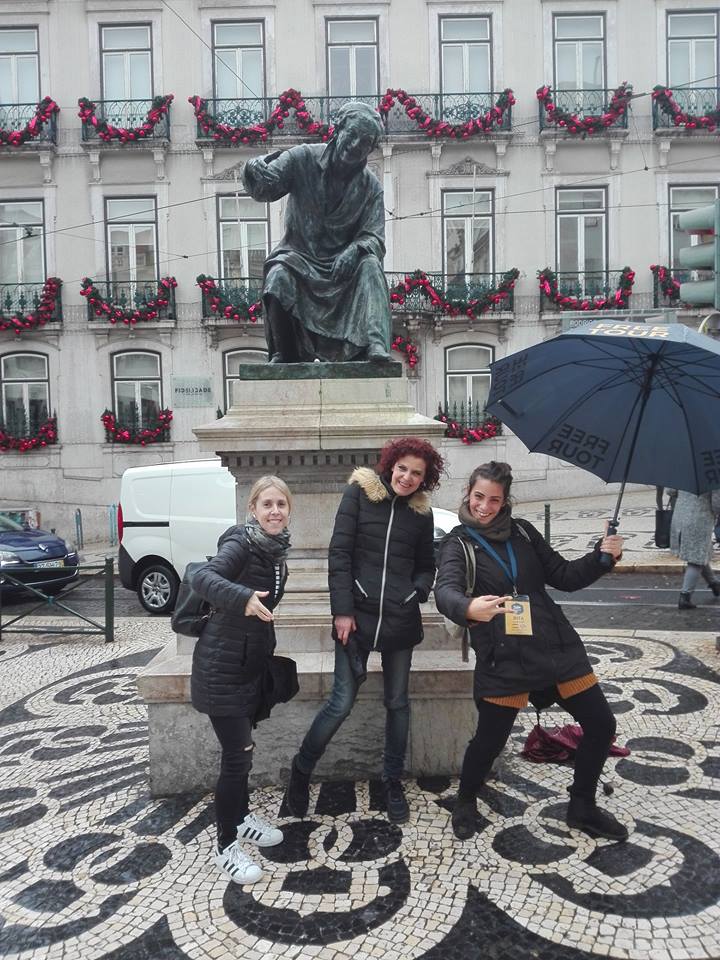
[243,583]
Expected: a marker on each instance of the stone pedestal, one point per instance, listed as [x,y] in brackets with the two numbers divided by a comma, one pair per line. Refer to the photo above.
[310,424]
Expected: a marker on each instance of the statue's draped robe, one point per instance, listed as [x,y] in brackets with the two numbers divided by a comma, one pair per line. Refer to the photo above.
[332,319]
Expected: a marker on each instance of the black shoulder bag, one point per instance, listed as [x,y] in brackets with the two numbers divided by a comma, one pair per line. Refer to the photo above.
[191,611]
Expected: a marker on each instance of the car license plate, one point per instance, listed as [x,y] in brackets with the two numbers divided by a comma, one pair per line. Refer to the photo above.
[48,563]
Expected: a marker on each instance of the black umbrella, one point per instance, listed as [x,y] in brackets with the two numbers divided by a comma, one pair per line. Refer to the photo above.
[630,402]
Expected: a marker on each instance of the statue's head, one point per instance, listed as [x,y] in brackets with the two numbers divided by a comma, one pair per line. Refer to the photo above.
[358,129]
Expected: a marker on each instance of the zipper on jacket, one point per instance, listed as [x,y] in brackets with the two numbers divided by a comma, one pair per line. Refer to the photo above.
[409,597]
[361,588]
[384,571]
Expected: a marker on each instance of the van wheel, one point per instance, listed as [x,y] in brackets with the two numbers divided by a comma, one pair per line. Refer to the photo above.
[157,588]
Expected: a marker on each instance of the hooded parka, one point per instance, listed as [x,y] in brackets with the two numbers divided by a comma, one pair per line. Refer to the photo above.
[510,664]
[381,562]
[232,652]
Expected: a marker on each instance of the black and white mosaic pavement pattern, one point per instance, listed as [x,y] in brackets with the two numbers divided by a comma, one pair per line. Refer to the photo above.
[93,868]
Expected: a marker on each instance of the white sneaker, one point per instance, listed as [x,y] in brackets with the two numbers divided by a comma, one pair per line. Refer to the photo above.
[237,865]
[255,830]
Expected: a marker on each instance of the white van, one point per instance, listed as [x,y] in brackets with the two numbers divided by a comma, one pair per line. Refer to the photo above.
[169,515]
[173,513]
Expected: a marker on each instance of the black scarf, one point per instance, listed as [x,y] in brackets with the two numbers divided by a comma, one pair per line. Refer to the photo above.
[275,546]
[499,528]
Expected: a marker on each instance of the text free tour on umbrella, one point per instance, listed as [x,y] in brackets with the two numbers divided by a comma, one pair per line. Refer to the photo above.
[577,446]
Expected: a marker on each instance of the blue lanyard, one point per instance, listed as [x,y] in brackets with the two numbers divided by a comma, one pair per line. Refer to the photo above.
[510,572]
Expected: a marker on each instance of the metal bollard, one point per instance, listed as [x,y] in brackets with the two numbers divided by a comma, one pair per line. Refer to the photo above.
[547,523]
[79,541]
[109,600]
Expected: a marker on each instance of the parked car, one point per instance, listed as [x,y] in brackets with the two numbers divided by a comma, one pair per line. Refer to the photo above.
[35,557]
[173,513]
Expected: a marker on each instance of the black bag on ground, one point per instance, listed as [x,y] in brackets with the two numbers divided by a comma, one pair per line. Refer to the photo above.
[279,684]
[663,519]
[191,611]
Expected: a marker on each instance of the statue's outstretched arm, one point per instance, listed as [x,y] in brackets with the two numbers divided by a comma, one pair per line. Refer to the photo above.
[269,178]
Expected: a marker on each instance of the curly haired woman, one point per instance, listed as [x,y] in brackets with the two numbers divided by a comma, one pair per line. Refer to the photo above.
[381,568]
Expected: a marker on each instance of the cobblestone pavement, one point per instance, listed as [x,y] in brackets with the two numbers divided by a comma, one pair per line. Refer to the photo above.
[93,868]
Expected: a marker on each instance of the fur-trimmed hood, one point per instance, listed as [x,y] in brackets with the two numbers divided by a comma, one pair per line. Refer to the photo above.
[376,491]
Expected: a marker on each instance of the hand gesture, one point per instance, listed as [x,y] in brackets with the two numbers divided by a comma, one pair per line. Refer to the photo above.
[611,544]
[483,609]
[256,608]
[345,263]
[344,626]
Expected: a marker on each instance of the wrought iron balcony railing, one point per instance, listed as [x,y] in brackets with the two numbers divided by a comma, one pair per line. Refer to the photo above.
[453,288]
[15,116]
[454,108]
[583,104]
[695,101]
[239,292]
[588,284]
[129,296]
[19,421]
[20,299]
[127,114]
[467,414]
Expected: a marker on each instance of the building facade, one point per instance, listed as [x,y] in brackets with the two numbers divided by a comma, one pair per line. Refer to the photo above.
[520,135]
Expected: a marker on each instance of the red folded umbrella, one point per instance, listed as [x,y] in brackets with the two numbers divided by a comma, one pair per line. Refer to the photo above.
[558,744]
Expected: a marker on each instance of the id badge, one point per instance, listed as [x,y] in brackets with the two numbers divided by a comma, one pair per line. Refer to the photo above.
[518,621]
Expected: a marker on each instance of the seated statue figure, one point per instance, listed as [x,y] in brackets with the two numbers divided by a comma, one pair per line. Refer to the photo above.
[324,293]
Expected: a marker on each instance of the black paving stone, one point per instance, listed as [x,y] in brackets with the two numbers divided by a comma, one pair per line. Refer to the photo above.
[48,895]
[155,943]
[516,843]
[319,880]
[336,797]
[619,859]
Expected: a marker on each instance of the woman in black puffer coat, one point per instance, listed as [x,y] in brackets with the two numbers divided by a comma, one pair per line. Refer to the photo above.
[243,584]
[381,567]
[540,656]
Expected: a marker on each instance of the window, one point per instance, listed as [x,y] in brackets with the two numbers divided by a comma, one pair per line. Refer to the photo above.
[579,44]
[19,68]
[231,362]
[682,199]
[25,392]
[352,61]
[243,237]
[581,239]
[467,380]
[126,57]
[131,227]
[238,60]
[692,49]
[467,234]
[137,388]
[465,50]
[22,248]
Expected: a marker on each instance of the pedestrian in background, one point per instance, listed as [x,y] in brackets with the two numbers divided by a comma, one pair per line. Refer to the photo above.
[243,584]
[381,567]
[691,535]
[524,645]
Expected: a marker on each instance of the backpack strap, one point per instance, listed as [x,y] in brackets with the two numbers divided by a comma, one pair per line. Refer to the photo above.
[521,530]
[470,569]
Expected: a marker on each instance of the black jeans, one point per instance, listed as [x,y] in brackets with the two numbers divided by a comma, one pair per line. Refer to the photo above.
[589,708]
[232,799]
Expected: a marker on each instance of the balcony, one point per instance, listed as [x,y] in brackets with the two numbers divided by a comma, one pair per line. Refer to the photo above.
[454,109]
[25,306]
[16,116]
[457,290]
[589,285]
[126,115]
[585,105]
[130,302]
[684,108]
[236,293]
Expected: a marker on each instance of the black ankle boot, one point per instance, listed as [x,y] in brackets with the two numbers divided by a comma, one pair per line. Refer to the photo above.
[297,794]
[685,602]
[396,805]
[464,819]
[715,587]
[585,815]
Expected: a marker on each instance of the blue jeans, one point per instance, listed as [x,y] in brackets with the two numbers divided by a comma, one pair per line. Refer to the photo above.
[396,674]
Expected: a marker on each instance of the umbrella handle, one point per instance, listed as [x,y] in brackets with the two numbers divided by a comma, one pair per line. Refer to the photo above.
[606,559]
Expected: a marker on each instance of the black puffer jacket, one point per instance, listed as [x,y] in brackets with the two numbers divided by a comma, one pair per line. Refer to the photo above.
[230,656]
[512,664]
[381,561]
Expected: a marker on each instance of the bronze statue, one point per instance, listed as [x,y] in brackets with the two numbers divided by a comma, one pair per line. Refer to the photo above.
[324,294]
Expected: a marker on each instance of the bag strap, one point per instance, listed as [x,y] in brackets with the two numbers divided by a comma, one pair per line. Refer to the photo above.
[470,569]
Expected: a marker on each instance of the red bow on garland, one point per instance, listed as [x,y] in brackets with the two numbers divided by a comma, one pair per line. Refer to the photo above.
[46,435]
[117,433]
[37,318]
[33,128]
[663,96]
[616,301]
[149,311]
[108,132]
[573,123]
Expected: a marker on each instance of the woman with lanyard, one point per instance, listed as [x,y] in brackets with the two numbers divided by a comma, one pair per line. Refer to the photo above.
[523,642]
